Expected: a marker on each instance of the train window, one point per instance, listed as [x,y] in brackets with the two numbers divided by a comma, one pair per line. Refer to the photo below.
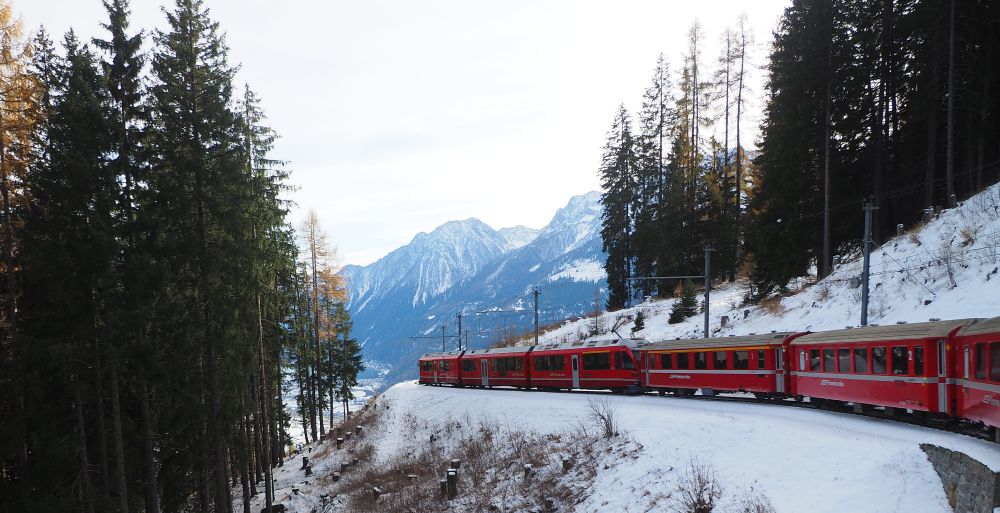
[861,360]
[596,361]
[618,360]
[427,366]
[468,366]
[627,362]
[446,365]
[918,360]
[719,359]
[741,359]
[814,359]
[843,360]
[761,359]
[541,363]
[682,361]
[700,360]
[666,361]
[980,360]
[518,364]
[828,360]
[995,361]
[899,357]
[878,360]
[558,362]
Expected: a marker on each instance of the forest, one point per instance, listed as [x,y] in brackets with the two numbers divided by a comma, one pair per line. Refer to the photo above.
[888,101]
[153,295]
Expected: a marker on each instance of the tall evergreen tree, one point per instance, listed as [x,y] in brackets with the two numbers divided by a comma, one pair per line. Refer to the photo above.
[618,174]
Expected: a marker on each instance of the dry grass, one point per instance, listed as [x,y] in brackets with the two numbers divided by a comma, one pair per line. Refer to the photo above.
[772,305]
[501,469]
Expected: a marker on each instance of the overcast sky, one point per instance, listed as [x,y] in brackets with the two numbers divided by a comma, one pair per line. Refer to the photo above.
[397,116]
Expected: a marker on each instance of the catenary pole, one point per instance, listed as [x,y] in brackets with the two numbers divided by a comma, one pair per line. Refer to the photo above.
[535,293]
[708,283]
[869,208]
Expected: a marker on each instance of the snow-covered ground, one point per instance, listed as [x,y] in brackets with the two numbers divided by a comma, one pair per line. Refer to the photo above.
[798,459]
[947,269]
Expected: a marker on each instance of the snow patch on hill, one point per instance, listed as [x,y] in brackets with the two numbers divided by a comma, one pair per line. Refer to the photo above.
[581,270]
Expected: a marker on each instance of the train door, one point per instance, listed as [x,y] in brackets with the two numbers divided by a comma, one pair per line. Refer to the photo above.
[779,366]
[942,374]
[437,363]
[576,371]
[966,353]
[485,366]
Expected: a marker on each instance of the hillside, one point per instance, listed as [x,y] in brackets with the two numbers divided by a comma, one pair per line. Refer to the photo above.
[946,268]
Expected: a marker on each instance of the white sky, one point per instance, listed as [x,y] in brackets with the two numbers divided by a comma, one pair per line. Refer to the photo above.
[397,116]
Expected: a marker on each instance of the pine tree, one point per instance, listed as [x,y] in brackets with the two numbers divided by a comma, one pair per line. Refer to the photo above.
[618,178]
[686,305]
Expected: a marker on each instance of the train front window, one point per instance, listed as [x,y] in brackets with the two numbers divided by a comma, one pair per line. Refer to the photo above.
[980,350]
[878,360]
[627,362]
[426,366]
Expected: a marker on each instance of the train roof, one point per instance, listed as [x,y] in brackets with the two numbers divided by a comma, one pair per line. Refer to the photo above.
[717,342]
[499,350]
[445,354]
[918,330]
[991,325]
[612,342]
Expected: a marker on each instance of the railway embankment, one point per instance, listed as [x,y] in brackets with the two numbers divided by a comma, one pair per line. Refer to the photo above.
[968,484]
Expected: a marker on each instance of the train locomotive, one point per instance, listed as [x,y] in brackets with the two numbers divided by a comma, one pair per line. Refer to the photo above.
[929,370]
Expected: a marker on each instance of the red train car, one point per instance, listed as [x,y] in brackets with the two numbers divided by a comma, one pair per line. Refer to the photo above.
[751,363]
[505,366]
[900,366]
[440,368]
[599,364]
[976,386]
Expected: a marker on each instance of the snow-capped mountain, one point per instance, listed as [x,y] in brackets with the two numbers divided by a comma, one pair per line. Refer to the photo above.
[467,266]
[518,236]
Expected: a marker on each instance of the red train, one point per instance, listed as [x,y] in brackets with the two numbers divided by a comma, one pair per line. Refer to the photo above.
[946,369]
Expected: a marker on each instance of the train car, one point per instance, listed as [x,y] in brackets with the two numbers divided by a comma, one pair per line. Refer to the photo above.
[903,366]
[976,384]
[440,368]
[505,366]
[750,363]
[599,364]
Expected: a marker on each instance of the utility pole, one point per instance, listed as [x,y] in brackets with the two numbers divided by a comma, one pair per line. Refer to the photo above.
[442,338]
[708,283]
[869,207]
[535,293]
[459,330]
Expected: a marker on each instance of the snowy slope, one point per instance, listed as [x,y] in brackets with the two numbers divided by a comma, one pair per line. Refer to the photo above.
[800,460]
[945,269]
[518,236]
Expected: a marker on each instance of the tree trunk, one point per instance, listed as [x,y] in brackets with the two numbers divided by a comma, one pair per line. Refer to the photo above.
[152,487]
[102,432]
[116,420]
[950,164]
[85,483]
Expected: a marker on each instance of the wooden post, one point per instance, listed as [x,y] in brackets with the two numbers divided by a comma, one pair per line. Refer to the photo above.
[340,442]
[452,481]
